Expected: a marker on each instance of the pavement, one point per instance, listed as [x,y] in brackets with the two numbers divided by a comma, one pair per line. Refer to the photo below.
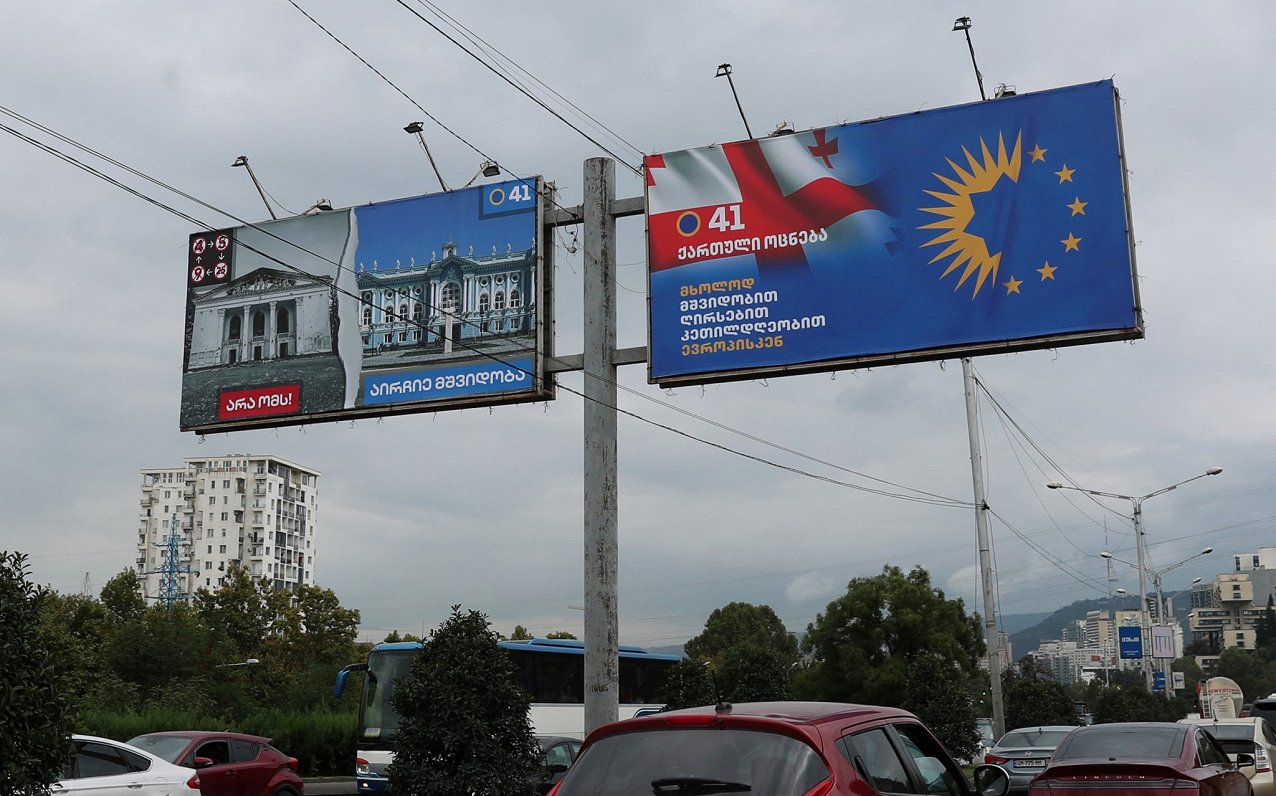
[330,786]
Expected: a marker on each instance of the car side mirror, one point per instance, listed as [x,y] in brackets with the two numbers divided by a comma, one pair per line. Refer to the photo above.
[991,780]
[1245,759]
[202,762]
[556,768]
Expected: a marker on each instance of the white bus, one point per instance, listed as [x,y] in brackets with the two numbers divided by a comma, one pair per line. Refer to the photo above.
[552,672]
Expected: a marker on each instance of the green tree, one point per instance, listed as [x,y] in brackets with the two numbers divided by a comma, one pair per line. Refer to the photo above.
[1244,667]
[689,684]
[464,726]
[863,643]
[938,693]
[75,629]
[1265,627]
[1134,704]
[520,634]
[35,721]
[122,596]
[240,614]
[1034,698]
[560,634]
[741,624]
[753,673]
[164,653]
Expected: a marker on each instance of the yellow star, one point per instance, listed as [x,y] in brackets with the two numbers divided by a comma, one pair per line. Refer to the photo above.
[1046,271]
[1012,286]
[1070,243]
[1038,154]
[1078,207]
[1065,174]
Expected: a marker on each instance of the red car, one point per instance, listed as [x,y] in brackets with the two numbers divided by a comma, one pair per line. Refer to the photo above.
[1148,758]
[771,749]
[228,763]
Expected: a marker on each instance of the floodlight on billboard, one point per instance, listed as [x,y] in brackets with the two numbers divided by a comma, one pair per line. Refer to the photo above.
[420,304]
[984,228]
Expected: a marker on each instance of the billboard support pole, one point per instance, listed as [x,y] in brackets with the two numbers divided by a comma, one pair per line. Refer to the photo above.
[985,550]
[602,646]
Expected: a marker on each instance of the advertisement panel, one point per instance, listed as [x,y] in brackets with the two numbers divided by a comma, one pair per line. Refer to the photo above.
[991,227]
[1130,642]
[427,303]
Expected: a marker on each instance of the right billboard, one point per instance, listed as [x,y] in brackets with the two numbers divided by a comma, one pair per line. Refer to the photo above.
[984,228]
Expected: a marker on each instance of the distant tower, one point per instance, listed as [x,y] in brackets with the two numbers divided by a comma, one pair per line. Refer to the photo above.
[172,568]
[86,589]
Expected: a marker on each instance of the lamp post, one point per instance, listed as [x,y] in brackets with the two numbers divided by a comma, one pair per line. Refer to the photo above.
[1161,607]
[1136,502]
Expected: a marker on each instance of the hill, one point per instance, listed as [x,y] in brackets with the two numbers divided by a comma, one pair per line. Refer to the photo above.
[1051,627]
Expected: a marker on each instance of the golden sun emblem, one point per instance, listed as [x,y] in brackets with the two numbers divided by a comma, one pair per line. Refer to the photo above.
[969,251]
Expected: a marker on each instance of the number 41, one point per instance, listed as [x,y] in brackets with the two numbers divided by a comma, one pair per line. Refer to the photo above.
[719,219]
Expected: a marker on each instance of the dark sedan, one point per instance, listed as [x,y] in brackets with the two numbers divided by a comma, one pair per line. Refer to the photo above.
[229,763]
[1148,758]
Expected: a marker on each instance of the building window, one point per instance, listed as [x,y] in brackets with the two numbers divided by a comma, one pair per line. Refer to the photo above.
[221,548]
[485,304]
[233,334]
[450,298]
[259,327]
[516,299]
[367,321]
[281,321]
[498,301]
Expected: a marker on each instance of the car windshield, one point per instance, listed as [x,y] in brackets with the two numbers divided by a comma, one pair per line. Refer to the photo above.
[1124,742]
[695,760]
[1042,739]
[1231,732]
[165,747]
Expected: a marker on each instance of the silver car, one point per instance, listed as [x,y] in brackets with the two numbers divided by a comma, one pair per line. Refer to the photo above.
[1025,752]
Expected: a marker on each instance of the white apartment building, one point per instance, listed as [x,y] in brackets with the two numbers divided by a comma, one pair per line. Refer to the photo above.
[257,511]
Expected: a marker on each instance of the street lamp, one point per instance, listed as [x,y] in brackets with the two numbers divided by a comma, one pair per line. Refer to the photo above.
[418,129]
[1136,503]
[247,662]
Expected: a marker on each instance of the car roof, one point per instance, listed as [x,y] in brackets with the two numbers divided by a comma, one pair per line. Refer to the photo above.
[1229,720]
[195,734]
[789,712]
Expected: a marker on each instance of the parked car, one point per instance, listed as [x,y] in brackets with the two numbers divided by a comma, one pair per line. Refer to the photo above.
[1246,735]
[229,763]
[1147,758]
[560,752]
[102,767]
[771,749]
[1024,752]
[1264,708]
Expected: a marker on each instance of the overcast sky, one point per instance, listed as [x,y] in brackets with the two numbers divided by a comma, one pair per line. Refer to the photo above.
[484,508]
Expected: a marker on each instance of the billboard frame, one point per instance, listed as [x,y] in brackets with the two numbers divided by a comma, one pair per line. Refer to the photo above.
[537,353]
[931,353]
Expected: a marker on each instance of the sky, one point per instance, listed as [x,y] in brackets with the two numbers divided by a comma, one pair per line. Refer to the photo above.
[483,507]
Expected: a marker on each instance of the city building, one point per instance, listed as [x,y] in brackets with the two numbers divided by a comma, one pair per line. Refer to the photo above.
[197,519]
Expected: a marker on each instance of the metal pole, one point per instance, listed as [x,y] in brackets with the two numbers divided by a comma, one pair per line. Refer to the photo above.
[985,549]
[602,646]
[1160,620]
[1146,622]
[979,77]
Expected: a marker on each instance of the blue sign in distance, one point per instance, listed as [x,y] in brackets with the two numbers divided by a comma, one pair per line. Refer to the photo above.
[1130,642]
[1158,681]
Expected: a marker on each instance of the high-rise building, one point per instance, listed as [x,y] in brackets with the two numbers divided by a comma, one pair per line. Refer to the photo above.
[197,519]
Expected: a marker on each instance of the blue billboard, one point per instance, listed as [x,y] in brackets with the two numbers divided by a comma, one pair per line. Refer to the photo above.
[1130,642]
[426,303]
[990,227]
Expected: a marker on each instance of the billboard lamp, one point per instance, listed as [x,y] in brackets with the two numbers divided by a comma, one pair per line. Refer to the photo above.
[320,206]
[490,168]
[783,128]
[724,70]
[963,24]
[416,128]
[242,160]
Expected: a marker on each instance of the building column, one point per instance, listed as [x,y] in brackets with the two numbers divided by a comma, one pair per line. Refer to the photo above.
[272,332]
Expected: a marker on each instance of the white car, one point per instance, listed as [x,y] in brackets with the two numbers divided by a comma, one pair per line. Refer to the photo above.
[1252,735]
[102,767]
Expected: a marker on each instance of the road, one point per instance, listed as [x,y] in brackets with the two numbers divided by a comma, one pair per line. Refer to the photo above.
[330,786]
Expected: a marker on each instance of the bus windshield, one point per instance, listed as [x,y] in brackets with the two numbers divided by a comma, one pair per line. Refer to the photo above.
[378,720]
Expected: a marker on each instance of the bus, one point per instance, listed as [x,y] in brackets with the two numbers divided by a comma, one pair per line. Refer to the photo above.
[552,671]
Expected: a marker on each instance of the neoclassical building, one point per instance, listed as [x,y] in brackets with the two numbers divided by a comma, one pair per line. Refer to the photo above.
[451,298]
[264,315]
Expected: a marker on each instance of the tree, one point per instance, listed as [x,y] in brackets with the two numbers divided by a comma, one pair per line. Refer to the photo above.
[240,613]
[689,684]
[122,596]
[938,693]
[1134,704]
[1242,666]
[1034,698]
[863,643]
[35,724]
[749,652]
[1265,627]
[741,624]
[464,726]
[563,634]
[520,634]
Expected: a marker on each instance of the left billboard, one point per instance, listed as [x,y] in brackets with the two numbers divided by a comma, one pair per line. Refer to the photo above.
[421,304]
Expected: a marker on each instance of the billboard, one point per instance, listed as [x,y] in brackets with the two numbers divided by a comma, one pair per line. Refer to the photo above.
[1130,642]
[990,227]
[425,303]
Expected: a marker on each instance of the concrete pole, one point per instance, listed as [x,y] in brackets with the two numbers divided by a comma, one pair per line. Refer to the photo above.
[985,550]
[1145,632]
[602,645]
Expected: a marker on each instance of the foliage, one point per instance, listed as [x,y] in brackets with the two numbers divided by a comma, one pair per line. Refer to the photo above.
[1135,704]
[464,726]
[122,596]
[864,642]
[563,634]
[322,741]
[520,634]
[1265,627]
[1245,668]
[741,624]
[34,714]
[938,693]
[1034,698]
[689,684]
[1192,673]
